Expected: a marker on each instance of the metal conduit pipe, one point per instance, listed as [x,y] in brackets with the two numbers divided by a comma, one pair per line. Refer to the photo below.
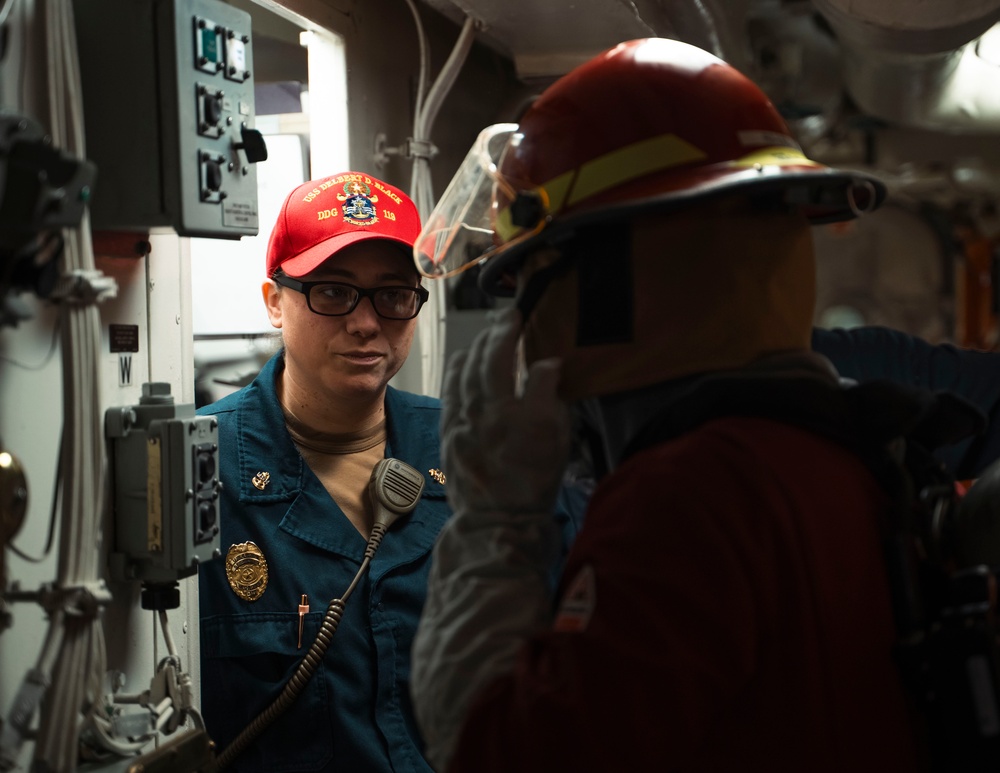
[919,64]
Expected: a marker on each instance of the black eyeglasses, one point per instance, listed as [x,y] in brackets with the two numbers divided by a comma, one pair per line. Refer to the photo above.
[335,299]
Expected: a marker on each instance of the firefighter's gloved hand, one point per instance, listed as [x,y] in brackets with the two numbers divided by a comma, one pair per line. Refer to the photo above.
[488,589]
[502,452]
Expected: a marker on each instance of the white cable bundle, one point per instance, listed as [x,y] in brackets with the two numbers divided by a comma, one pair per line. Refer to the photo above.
[73,655]
[431,324]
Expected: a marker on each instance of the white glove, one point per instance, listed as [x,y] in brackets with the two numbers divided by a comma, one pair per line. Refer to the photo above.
[502,451]
[489,588]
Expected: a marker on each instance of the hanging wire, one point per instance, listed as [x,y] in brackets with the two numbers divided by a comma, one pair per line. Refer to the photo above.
[45,360]
[53,515]
[431,323]
[74,632]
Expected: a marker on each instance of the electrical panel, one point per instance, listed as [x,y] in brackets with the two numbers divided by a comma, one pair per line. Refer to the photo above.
[168,98]
[165,488]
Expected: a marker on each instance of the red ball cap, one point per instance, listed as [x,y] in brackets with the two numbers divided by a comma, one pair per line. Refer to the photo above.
[323,216]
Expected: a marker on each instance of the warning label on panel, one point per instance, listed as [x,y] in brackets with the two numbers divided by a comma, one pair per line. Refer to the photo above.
[239,214]
[123,338]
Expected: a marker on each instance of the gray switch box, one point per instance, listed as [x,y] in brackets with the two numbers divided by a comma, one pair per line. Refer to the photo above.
[169,115]
[165,488]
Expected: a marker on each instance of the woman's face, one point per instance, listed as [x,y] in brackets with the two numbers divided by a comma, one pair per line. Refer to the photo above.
[351,356]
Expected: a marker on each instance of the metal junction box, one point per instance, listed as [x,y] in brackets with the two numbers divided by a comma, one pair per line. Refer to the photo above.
[165,486]
[168,93]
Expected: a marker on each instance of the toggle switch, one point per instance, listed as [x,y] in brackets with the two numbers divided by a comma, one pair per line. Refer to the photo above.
[252,144]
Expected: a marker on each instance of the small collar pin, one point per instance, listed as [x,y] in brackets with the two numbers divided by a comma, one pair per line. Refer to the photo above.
[438,476]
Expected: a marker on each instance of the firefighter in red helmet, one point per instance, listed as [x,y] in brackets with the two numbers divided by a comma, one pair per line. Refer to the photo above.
[726,605]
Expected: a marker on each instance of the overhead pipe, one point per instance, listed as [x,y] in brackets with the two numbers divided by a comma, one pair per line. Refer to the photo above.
[918,64]
[713,25]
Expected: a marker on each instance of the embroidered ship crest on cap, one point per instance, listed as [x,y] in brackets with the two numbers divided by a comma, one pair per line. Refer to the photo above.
[359,203]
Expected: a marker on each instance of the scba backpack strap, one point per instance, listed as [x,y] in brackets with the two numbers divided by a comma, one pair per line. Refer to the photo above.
[951,660]
[945,607]
[942,572]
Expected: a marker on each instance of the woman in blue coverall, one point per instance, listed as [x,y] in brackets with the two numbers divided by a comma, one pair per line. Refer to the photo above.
[297,447]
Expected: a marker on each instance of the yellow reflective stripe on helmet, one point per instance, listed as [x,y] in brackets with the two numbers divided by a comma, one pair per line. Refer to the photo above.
[600,174]
[632,161]
[557,189]
[774,156]
[505,229]
[553,193]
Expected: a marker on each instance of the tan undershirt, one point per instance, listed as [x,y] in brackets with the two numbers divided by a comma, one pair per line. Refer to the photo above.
[343,463]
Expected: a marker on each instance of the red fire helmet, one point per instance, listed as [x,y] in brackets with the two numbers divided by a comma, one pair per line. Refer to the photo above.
[649,124]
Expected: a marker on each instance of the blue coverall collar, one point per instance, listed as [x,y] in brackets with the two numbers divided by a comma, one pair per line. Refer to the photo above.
[265,446]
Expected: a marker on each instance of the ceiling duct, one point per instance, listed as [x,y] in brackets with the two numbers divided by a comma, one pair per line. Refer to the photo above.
[713,25]
[922,65]
[797,62]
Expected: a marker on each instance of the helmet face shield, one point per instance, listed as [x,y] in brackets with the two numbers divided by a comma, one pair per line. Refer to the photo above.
[458,234]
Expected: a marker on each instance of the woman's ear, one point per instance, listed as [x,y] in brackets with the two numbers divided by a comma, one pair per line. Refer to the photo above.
[272,301]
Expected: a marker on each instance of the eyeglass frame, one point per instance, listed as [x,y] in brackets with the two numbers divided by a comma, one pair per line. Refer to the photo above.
[306,289]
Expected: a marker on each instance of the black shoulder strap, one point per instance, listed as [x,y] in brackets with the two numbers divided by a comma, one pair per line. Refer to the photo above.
[859,417]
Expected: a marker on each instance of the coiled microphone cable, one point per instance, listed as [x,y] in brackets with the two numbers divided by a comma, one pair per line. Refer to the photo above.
[394,488]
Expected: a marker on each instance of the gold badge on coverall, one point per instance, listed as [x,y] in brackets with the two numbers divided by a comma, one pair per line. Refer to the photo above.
[246,570]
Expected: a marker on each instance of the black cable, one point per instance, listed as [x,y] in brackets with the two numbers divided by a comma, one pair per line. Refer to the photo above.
[52,515]
[48,355]
[307,666]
